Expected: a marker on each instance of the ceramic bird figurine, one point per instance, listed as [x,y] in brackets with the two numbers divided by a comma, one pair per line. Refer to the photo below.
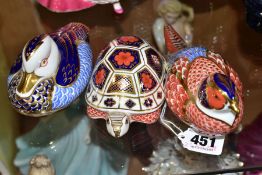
[63,6]
[127,85]
[41,165]
[202,89]
[51,72]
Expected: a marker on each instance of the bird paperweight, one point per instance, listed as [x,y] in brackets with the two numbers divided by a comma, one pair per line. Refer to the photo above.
[51,72]
[202,89]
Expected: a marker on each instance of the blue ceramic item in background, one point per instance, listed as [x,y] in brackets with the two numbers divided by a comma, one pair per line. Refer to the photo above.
[66,140]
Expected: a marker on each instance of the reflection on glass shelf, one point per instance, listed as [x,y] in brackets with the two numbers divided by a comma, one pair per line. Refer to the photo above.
[171,158]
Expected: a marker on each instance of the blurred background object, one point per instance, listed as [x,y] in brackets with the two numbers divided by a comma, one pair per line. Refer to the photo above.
[41,165]
[249,143]
[66,139]
[8,123]
[254,14]
[63,6]
[177,14]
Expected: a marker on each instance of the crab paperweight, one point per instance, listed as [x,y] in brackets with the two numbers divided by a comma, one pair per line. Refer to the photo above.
[127,85]
[51,72]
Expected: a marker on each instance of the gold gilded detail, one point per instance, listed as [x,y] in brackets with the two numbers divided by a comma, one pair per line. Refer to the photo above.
[27,82]
[38,104]
[234,106]
[121,84]
[117,124]
[28,55]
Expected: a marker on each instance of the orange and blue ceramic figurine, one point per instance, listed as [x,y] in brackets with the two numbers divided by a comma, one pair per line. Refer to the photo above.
[202,89]
[51,72]
[63,6]
[127,85]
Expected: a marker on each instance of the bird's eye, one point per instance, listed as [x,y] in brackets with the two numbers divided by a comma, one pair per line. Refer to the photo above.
[126,121]
[107,121]
[44,62]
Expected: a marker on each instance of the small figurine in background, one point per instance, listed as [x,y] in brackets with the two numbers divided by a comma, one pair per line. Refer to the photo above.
[41,165]
[127,85]
[63,6]
[202,89]
[51,72]
[176,14]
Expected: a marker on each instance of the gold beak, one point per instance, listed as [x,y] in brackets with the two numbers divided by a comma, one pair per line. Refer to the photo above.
[117,127]
[234,107]
[27,82]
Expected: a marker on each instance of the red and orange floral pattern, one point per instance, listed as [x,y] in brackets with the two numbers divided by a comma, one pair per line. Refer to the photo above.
[124,58]
[147,80]
[130,39]
[100,76]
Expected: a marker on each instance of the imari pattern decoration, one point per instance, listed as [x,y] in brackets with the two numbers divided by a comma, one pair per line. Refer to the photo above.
[125,59]
[202,89]
[101,76]
[147,81]
[127,83]
[51,72]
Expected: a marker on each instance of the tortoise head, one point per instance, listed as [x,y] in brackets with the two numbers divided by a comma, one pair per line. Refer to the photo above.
[117,124]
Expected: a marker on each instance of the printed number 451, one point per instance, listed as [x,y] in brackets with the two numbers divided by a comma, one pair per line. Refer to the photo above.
[203,140]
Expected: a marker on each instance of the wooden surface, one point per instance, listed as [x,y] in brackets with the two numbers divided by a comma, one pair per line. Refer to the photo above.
[18,23]
[8,120]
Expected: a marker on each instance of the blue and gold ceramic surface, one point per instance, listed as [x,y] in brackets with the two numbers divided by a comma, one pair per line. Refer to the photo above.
[51,71]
